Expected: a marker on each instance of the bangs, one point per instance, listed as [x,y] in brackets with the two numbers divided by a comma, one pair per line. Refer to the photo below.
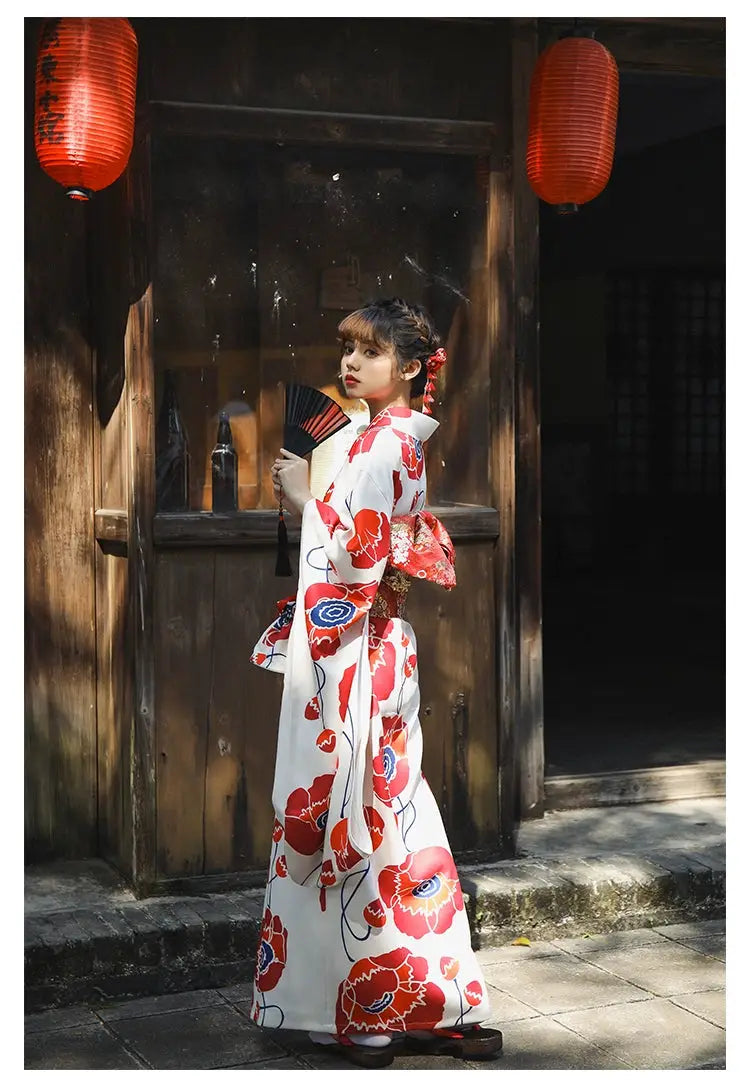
[367,325]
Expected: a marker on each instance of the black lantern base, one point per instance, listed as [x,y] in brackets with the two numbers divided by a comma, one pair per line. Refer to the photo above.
[566,209]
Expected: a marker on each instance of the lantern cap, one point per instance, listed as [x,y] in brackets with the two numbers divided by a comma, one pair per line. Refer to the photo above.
[578,32]
[566,209]
[77,192]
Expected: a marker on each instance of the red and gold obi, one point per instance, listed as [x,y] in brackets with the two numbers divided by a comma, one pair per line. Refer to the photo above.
[421,548]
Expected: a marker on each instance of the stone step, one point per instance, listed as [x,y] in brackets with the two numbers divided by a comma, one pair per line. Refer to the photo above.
[90,949]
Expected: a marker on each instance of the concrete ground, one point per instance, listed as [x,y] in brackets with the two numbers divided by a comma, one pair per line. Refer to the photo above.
[641,999]
[682,826]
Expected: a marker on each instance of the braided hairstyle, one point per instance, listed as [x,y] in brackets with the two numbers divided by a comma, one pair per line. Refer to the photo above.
[393,324]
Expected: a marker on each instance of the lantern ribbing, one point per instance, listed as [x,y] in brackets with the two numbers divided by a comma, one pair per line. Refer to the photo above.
[85,101]
[572,121]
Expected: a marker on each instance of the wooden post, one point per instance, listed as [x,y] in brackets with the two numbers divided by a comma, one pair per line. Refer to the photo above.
[139,387]
[530,717]
[59,647]
[501,335]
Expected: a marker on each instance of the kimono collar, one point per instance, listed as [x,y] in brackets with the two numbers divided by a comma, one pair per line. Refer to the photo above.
[407,421]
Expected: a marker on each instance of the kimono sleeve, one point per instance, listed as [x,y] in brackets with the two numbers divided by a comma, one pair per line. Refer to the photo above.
[352,531]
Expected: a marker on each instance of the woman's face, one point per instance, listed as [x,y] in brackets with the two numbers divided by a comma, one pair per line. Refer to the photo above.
[369,371]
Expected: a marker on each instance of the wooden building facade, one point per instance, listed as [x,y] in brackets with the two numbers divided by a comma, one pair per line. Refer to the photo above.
[282,171]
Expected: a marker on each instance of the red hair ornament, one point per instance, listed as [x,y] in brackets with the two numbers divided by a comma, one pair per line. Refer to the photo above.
[434,364]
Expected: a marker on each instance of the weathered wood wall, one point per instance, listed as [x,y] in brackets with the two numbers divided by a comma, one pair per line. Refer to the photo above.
[60,679]
[410,67]
[217,714]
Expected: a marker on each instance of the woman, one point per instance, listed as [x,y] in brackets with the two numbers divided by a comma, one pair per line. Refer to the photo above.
[365,940]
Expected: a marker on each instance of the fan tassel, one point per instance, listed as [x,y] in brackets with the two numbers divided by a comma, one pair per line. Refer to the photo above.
[283,565]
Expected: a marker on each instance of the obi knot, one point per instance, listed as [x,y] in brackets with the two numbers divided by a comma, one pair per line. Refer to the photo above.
[422,548]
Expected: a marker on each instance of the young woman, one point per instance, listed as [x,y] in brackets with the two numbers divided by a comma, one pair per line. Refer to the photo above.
[365,941]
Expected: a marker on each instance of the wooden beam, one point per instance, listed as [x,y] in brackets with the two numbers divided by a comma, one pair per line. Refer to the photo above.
[257,527]
[530,717]
[323,129]
[111,525]
[694,47]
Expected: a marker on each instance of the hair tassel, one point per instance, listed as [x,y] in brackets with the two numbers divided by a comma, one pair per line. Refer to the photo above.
[283,565]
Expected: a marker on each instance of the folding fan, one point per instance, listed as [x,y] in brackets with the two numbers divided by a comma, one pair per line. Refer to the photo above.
[309,418]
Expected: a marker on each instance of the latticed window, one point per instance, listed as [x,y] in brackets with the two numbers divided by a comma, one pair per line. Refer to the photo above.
[665,364]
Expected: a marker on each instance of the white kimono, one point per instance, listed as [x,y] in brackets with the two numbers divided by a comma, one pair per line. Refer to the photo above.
[364,926]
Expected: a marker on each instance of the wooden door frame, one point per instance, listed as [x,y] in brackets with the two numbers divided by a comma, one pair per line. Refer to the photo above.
[514,430]
[659,46]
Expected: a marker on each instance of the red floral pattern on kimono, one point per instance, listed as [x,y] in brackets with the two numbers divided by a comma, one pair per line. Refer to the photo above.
[390,766]
[382,654]
[389,992]
[306,815]
[423,891]
[368,930]
[330,609]
[271,957]
[346,856]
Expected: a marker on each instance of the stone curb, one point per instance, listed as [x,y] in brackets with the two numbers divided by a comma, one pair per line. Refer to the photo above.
[557,898]
[173,944]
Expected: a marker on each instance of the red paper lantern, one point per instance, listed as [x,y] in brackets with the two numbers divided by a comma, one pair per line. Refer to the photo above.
[85,101]
[572,121]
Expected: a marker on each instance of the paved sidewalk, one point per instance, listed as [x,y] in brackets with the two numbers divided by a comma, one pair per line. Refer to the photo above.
[649,999]
[88,939]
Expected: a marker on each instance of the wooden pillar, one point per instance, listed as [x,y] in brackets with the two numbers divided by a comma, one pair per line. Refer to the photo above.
[139,385]
[512,258]
[109,291]
[59,659]
[529,708]
[501,334]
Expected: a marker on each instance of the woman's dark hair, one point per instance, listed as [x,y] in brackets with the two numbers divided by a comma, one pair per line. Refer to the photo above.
[391,323]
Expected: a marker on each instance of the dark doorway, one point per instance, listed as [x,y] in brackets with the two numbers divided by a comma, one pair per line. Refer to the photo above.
[632,408]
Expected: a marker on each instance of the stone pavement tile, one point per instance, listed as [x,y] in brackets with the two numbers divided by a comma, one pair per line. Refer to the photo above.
[663,969]
[236,993]
[542,1044]
[709,1005]
[200,1038]
[700,936]
[612,940]
[698,929]
[431,1063]
[492,954]
[320,1058]
[560,983]
[713,945]
[653,1035]
[506,1008]
[84,1048]
[245,1007]
[160,1004]
[59,1018]
[288,1063]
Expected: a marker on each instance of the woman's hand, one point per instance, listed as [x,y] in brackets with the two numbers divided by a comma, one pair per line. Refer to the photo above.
[290,481]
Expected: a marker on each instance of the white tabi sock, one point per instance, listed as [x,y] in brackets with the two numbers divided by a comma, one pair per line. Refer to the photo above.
[368,1040]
